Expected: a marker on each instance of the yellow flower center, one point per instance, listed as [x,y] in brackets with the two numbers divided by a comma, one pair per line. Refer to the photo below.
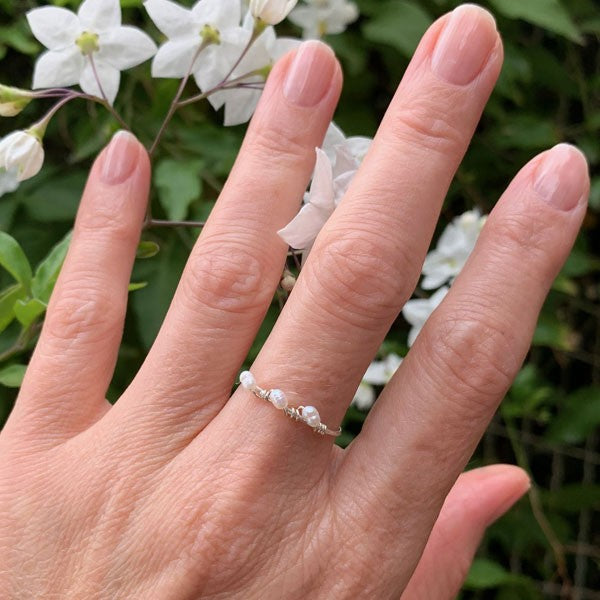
[210,35]
[88,43]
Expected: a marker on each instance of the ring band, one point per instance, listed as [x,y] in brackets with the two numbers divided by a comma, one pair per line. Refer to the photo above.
[306,414]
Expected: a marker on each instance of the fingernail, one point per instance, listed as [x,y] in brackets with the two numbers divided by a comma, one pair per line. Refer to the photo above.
[120,158]
[309,76]
[465,44]
[561,177]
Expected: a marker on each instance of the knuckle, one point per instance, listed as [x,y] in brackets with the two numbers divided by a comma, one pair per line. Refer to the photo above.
[473,357]
[227,277]
[84,313]
[279,141]
[427,125]
[107,221]
[357,276]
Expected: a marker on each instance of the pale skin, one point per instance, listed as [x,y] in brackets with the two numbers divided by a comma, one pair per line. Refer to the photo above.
[182,490]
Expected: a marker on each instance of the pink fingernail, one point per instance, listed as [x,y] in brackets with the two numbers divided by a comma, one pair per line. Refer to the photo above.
[119,158]
[465,44]
[560,178]
[310,75]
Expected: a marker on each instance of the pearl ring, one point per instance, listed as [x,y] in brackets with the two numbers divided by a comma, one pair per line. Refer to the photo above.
[307,414]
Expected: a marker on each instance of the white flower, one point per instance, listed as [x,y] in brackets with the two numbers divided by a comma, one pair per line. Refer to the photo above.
[240,102]
[211,27]
[9,181]
[21,154]
[379,372]
[337,164]
[271,11]
[453,249]
[76,41]
[319,205]
[416,312]
[321,17]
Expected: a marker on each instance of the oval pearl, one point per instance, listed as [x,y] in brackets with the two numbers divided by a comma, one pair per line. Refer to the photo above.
[278,399]
[311,415]
[247,380]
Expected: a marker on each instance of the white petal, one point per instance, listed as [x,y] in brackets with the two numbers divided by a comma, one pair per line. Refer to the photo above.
[174,58]
[376,373]
[364,397]
[9,181]
[125,47]
[412,335]
[359,146]
[305,227]
[58,68]
[100,15]
[55,27]
[109,78]
[416,312]
[283,46]
[240,109]
[172,19]
[321,189]
[218,13]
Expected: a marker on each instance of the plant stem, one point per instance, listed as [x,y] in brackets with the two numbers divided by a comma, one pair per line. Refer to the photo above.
[175,101]
[105,101]
[150,223]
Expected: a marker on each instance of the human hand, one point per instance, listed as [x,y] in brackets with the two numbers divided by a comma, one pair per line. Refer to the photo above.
[181,491]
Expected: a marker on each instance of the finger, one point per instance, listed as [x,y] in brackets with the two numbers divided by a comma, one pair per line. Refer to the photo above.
[439,403]
[233,271]
[478,498]
[366,260]
[71,368]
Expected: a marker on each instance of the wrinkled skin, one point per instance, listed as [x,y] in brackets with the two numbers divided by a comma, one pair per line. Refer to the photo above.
[183,491]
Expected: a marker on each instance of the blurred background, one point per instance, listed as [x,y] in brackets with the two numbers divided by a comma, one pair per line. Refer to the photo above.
[549,92]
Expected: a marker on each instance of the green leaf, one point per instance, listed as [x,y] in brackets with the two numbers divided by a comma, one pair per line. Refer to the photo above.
[548,14]
[486,574]
[579,417]
[7,303]
[553,333]
[27,311]
[178,184]
[399,24]
[47,271]
[137,286]
[12,376]
[147,249]
[13,259]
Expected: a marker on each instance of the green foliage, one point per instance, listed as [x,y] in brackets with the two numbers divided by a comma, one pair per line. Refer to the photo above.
[548,92]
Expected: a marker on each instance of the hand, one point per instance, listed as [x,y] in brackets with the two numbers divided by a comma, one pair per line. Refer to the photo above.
[181,491]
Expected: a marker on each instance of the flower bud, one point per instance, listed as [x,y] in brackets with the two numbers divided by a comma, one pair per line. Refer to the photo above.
[22,152]
[13,100]
[271,12]
[288,281]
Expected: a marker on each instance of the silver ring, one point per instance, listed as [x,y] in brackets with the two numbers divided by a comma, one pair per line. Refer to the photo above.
[306,414]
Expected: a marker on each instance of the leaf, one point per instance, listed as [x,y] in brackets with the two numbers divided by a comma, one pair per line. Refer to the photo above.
[7,302]
[486,574]
[12,376]
[178,184]
[147,249]
[579,417]
[133,287]
[398,23]
[548,14]
[48,270]
[553,333]
[13,259]
[27,311]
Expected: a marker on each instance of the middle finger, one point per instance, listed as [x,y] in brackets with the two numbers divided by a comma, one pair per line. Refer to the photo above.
[367,259]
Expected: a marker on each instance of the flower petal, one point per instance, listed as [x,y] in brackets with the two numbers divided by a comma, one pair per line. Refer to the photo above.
[58,68]
[174,58]
[172,19]
[321,189]
[100,15]
[218,13]
[55,27]
[241,108]
[305,227]
[364,396]
[109,78]
[125,47]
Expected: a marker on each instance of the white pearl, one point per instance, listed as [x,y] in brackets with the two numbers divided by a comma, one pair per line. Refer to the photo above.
[247,380]
[277,397]
[311,415]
